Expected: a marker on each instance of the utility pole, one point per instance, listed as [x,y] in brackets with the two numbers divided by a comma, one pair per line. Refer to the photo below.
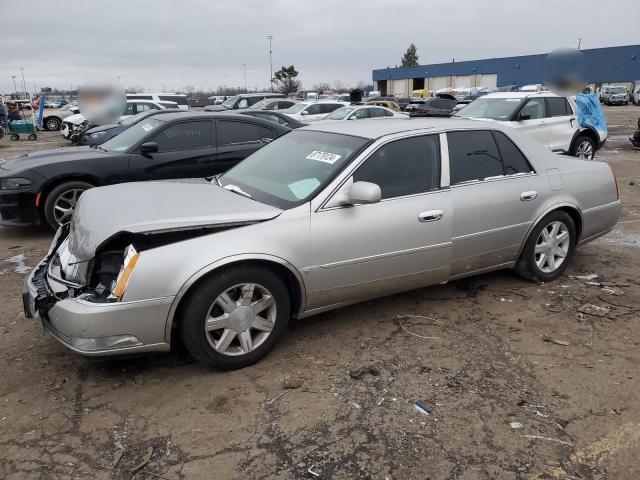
[15,89]
[244,67]
[24,84]
[270,37]
[579,43]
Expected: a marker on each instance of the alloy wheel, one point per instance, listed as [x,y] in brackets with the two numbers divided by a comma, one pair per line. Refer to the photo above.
[552,247]
[240,319]
[585,150]
[53,124]
[64,205]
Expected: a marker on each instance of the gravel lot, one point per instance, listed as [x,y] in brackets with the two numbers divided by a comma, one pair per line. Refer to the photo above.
[523,380]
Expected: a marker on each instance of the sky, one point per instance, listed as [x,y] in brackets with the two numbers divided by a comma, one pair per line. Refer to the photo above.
[166,44]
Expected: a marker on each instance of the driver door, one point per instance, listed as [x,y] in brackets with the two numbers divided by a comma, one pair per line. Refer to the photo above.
[401,243]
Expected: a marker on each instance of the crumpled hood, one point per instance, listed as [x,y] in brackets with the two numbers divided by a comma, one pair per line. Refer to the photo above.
[76,119]
[143,207]
[47,157]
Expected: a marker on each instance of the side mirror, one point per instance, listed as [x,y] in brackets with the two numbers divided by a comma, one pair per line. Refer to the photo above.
[304,112]
[148,148]
[363,193]
[524,116]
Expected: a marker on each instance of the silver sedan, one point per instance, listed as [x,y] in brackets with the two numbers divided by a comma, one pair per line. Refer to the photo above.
[322,217]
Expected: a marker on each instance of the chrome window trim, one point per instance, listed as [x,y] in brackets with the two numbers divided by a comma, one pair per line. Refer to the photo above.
[347,173]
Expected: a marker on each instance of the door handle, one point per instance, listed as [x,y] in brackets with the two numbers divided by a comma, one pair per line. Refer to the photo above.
[430,216]
[527,196]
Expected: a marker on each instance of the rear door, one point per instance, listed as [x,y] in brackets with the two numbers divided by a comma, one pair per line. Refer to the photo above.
[495,194]
[237,139]
[185,150]
[561,123]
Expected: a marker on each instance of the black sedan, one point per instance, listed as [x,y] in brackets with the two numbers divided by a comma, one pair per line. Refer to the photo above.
[272,116]
[432,107]
[43,187]
[99,135]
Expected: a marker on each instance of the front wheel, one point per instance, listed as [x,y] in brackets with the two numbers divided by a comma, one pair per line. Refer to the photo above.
[61,201]
[235,317]
[52,124]
[549,248]
[584,148]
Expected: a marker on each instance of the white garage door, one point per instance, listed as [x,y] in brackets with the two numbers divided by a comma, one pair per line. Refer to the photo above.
[400,87]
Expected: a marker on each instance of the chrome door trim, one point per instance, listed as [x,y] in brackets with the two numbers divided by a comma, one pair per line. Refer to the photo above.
[492,230]
[382,256]
[445,175]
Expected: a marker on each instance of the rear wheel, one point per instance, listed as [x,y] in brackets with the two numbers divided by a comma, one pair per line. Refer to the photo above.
[584,148]
[52,124]
[235,317]
[33,136]
[15,137]
[61,201]
[549,248]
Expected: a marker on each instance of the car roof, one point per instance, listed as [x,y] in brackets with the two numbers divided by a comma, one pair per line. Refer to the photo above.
[520,94]
[263,94]
[210,115]
[382,127]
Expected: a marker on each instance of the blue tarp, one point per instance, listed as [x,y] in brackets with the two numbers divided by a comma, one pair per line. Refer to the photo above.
[590,113]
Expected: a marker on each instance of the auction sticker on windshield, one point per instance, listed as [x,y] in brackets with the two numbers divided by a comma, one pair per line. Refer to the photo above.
[147,127]
[326,157]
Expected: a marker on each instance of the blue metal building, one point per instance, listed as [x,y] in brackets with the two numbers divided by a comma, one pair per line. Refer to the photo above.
[600,65]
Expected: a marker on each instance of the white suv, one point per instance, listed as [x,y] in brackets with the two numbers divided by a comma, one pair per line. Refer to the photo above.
[310,111]
[550,118]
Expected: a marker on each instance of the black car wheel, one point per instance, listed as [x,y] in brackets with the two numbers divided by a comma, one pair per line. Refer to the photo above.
[52,124]
[235,317]
[60,202]
[549,248]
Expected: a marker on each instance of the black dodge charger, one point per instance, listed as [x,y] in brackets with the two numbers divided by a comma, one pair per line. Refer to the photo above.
[43,187]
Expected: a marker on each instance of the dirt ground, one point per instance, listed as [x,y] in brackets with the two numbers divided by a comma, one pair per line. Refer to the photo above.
[522,380]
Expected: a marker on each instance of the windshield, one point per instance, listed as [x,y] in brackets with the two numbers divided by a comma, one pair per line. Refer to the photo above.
[290,170]
[617,90]
[230,102]
[298,107]
[261,104]
[340,114]
[132,136]
[493,108]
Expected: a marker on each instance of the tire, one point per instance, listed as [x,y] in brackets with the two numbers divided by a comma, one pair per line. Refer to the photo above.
[222,347]
[52,124]
[532,265]
[582,150]
[61,197]
[15,137]
[33,136]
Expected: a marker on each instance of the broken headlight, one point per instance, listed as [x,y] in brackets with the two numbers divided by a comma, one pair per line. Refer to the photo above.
[114,268]
[130,259]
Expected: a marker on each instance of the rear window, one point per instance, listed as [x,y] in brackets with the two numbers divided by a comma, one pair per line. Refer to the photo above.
[559,107]
[140,97]
[232,132]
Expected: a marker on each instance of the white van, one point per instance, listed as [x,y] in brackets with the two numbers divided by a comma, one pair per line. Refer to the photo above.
[179,98]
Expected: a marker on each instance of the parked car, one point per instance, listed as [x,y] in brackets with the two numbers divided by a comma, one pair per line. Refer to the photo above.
[99,135]
[133,107]
[432,107]
[179,98]
[272,116]
[401,101]
[362,112]
[52,117]
[273,104]
[419,93]
[217,99]
[44,187]
[310,111]
[340,97]
[614,95]
[549,118]
[635,95]
[390,104]
[245,100]
[308,224]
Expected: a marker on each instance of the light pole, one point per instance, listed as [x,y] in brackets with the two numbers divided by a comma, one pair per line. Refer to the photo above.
[270,37]
[244,67]
[15,89]
[24,84]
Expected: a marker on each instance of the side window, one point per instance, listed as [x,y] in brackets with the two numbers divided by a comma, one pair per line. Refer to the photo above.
[362,113]
[376,113]
[268,116]
[567,107]
[536,108]
[512,158]
[266,133]
[129,110]
[184,136]
[329,107]
[473,155]
[403,167]
[243,103]
[146,106]
[230,132]
[253,100]
[314,109]
[558,107]
[387,113]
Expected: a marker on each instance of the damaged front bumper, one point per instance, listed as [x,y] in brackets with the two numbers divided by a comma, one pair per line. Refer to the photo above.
[91,328]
